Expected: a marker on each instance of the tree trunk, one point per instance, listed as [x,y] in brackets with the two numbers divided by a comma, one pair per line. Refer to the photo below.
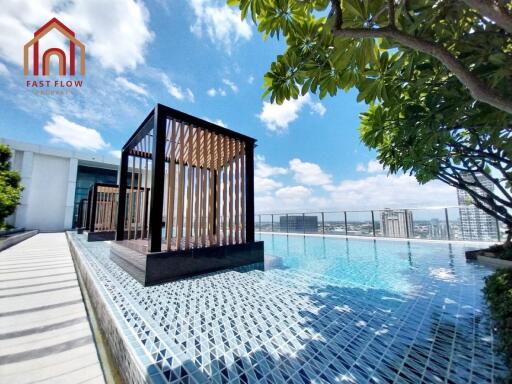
[508,240]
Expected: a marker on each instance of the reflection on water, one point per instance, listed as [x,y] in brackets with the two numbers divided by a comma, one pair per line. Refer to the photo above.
[398,266]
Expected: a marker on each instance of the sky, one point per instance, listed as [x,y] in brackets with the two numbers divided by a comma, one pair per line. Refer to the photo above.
[197,56]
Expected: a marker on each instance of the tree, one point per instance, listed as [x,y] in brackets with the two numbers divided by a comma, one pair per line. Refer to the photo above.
[436,75]
[434,130]
[338,44]
[10,188]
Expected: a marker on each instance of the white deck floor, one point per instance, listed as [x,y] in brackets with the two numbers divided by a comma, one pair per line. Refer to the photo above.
[45,336]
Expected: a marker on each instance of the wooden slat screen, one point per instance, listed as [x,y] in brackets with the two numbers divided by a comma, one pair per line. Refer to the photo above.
[106,208]
[204,194]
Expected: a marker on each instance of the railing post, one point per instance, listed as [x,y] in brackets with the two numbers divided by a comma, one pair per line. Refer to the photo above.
[346,227]
[407,232]
[304,223]
[323,224]
[373,224]
[259,222]
[287,225]
[498,230]
[272,220]
[447,223]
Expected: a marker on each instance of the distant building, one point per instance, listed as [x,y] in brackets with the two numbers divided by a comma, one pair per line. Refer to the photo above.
[437,229]
[475,223]
[396,223]
[298,223]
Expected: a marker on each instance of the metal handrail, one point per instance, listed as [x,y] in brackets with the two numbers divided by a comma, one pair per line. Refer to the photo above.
[449,232]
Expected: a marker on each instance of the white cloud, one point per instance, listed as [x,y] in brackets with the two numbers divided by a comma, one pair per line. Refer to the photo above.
[277,117]
[125,83]
[116,153]
[373,192]
[309,173]
[262,169]
[78,136]
[317,191]
[175,90]
[222,24]
[393,191]
[318,108]
[3,70]
[374,166]
[220,122]
[231,85]
[216,121]
[212,92]
[115,33]
[250,80]
[265,184]
[297,193]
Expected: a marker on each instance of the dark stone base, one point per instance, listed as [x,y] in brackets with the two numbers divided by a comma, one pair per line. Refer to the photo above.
[79,231]
[473,255]
[160,267]
[101,236]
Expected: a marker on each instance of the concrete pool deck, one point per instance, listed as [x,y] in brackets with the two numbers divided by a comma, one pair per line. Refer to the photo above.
[45,335]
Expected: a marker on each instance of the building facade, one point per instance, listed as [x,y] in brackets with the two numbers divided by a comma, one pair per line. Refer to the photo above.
[54,181]
[437,229]
[475,223]
[396,223]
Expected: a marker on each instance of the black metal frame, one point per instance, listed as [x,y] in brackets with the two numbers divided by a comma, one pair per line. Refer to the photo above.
[81,213]
[156,121]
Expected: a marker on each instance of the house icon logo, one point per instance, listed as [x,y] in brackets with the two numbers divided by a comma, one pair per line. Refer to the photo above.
[63,59]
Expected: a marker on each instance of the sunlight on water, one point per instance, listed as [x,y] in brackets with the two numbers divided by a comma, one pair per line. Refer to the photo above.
[389,265]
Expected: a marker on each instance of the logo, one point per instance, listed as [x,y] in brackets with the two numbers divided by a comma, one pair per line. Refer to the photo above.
[63,59]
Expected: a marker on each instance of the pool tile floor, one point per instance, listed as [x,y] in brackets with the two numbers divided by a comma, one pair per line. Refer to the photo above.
[289,325]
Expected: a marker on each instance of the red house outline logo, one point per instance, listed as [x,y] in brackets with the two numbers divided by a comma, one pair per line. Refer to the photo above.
[61,55]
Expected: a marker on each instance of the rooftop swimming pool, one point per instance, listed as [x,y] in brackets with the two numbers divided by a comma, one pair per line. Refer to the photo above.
[322,310]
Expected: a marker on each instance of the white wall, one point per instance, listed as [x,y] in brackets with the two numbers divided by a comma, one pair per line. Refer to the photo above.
[48,176]
[48,192]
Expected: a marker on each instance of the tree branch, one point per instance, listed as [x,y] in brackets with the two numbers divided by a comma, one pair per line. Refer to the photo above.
[338,14]
[507,201]
[493,11]
[391,13]
[501,215]
[478,89]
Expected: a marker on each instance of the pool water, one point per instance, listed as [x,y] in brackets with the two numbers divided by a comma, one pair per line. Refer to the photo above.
[321,310]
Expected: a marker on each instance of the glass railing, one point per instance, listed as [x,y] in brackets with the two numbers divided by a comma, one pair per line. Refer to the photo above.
[466,223]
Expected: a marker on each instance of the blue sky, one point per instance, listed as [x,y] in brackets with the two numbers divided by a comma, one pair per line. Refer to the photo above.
[199,57]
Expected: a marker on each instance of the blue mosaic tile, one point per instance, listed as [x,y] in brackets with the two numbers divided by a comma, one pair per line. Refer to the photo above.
[333,311]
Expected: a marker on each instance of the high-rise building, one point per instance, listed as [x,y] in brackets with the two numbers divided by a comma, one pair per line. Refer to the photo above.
[437,229]
[396,223]
[298,223]
[475,223]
